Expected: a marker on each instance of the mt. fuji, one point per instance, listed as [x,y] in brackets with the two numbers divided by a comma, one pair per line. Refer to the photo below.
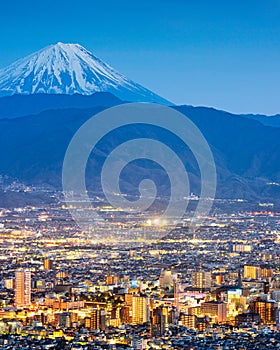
[69,69]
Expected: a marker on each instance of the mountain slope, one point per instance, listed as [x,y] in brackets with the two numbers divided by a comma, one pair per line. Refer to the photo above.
[247,162]
[21,105]
[69,69]
[272,120]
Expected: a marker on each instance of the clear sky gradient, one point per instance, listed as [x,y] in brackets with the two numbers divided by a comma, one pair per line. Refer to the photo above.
[224,54]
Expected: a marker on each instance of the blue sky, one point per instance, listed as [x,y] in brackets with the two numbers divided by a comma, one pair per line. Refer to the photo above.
[224,54]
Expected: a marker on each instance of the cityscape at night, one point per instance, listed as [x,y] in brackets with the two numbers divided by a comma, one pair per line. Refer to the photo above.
[216,287]
[139,175]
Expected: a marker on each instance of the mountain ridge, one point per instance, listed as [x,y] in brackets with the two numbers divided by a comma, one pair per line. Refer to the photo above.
[17,105]
[37,144]
[20,105]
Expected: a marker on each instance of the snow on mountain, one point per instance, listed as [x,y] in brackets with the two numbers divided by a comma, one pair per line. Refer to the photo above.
[69,69]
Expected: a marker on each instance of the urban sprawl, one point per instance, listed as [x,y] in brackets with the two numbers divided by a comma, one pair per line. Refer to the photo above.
[216,287]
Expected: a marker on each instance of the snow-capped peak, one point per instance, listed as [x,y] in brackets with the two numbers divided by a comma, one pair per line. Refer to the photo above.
[68,69]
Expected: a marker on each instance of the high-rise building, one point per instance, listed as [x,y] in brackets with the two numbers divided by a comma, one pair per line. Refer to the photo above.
[188,321]
[252,272]
[98,319]
[48,264]
[201,280]
[266,310]
[234,300]
[140,309]
[172,316]
[115,318]
[158,322]
[177,296]
[23,288]
[125,316]
[216,310]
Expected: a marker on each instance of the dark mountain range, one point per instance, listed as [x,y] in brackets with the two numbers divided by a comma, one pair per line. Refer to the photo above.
[21,105]
[246,152]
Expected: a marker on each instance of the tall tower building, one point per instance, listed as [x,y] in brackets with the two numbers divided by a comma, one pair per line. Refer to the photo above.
[176,295]
[23,288]
[140,309]
[48,264]
[201,280]
[98,319]
[158,322]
